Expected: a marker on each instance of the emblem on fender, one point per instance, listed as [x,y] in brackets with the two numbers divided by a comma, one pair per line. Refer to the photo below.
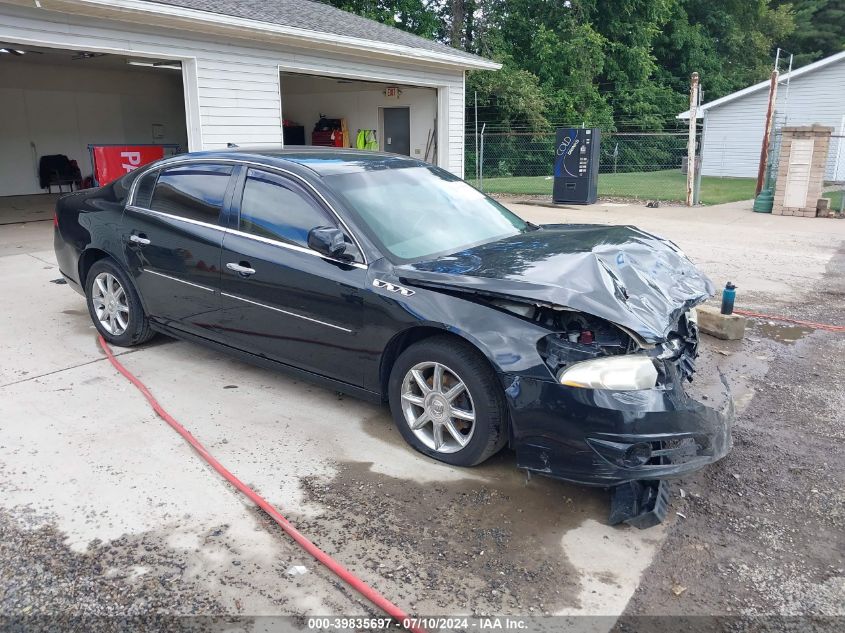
[405,292]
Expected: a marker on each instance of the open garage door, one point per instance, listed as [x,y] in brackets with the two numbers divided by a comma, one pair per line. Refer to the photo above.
[56,102]
[359,114]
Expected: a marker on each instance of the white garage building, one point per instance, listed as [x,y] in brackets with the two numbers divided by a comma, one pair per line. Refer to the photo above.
[733,125]
[203,73]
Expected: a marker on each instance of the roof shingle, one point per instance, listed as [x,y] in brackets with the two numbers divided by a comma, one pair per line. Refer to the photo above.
[319,17]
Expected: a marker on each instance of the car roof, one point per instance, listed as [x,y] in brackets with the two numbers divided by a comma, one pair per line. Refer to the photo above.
[321,160]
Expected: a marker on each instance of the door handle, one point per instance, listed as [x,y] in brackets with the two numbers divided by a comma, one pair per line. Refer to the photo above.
[242,268]
[139,239]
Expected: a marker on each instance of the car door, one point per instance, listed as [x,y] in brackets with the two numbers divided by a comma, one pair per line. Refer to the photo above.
[173,237]
[280,299]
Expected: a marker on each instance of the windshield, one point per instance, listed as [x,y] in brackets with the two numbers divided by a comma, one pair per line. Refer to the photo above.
[417,212]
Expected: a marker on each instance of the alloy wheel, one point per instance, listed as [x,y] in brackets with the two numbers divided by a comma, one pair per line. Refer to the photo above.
[110,303]
[438,407]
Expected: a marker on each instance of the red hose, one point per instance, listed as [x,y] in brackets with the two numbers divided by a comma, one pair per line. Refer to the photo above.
[810,324]
[335,567]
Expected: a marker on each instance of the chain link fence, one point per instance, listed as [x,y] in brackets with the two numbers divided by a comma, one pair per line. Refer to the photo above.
[835,187]
[632,165]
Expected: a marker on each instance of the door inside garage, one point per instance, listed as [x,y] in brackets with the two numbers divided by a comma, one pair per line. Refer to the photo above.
[56,102]
[337,112]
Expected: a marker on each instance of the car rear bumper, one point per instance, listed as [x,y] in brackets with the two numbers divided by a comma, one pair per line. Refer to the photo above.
[68,259]
[605,438]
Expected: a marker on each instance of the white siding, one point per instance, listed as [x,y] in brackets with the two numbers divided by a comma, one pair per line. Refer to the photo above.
[734,130]
[232,86]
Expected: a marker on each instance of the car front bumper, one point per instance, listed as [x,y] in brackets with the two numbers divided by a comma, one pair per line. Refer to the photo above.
[606,438]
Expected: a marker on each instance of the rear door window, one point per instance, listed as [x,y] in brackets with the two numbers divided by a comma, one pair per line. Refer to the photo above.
[193,192]
[144,189]
[274,207]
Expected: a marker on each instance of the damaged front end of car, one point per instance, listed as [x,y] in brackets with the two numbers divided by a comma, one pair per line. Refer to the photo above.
[611,315]
[618,410]
[619,414]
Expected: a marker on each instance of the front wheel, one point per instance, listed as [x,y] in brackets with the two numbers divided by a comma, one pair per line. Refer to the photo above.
[447,403]
[114,305]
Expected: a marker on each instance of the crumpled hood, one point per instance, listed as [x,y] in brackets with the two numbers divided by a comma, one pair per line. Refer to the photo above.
[618,273]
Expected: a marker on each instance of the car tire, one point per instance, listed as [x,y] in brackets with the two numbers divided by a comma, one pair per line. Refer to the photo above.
[416,401]
[114,305]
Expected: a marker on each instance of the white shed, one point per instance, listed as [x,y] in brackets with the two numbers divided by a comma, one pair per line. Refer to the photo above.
[203,73]
[733,125]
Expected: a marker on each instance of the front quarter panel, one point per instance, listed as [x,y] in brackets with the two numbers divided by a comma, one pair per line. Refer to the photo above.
[508,342]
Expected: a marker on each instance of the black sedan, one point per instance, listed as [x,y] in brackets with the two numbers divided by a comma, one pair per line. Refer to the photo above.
[393,280]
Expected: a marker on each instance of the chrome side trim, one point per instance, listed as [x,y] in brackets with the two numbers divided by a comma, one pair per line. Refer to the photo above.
[257,238]
[169,216]
[294,247]
[293,314]
[236,161]
[181,281]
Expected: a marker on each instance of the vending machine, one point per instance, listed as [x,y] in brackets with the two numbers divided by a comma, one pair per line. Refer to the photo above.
[576,168]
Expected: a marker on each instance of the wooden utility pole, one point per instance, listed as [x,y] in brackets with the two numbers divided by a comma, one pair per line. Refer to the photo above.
[767,132]
[693,123]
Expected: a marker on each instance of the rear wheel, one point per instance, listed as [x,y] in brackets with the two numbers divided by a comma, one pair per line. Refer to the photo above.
[447,403]
[114,305]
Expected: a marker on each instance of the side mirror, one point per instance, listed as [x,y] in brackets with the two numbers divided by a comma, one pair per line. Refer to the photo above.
[331,242]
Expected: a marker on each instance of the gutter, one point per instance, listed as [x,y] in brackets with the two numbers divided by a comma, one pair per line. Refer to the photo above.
[141,12]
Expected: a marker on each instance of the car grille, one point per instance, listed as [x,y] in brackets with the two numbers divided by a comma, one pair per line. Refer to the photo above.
[680,451]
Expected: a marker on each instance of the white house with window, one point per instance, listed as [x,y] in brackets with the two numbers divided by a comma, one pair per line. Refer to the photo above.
[733,125]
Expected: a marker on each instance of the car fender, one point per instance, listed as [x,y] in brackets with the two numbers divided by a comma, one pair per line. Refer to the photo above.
[507,341]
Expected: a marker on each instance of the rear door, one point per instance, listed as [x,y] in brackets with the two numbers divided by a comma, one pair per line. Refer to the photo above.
[280,299]
[397,130]
[173,236]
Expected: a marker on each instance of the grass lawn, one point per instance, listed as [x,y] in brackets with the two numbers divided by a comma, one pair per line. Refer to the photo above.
[668,184]
[835,199]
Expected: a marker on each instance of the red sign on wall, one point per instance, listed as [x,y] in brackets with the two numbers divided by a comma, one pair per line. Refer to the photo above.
[113,161]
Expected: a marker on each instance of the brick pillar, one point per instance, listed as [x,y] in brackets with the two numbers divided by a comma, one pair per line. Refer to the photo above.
[803,157]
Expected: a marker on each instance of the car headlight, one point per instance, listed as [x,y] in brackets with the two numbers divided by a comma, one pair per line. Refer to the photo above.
[622,373]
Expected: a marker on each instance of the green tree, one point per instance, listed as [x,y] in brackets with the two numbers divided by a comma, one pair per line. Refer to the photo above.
[629,29]
[611,62]
[730,43]
[414,16]
[512,97]
[819,29]
[555,42]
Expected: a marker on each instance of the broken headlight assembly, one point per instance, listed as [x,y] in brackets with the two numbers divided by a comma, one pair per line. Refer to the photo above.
[591,353]
[620,373]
